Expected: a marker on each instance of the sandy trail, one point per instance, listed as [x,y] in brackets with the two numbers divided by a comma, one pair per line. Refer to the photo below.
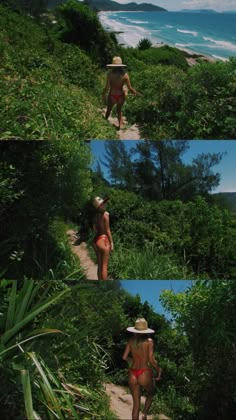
[127,132]
[121,403]
[82,253]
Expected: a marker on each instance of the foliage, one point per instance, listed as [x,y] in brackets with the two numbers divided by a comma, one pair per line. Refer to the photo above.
[197,103]
[84,28]
[51,185]
[132,263]
[49,89]
[144,44]
[200,235]
[205,314]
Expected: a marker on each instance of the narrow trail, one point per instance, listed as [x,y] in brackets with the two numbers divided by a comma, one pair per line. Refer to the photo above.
[82,253]
[121,403]
[127,132]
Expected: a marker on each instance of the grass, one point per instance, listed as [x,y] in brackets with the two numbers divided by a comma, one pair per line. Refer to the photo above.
[135,264]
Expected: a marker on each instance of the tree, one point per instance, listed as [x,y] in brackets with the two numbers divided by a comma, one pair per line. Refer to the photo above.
[144,44]
[205,314]
[162,174]
[84,29]
[118,160]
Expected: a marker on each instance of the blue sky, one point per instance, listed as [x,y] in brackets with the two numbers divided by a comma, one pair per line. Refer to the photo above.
[226,167]
[150,290]
[172,5]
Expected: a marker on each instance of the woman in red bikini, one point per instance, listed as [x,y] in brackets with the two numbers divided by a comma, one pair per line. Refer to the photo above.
[141,360]
[117,79]
[102,243]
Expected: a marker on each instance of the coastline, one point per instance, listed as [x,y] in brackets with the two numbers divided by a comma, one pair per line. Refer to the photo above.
[193,58]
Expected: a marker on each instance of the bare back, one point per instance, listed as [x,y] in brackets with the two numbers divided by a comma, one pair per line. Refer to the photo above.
[117,82]
[140,349]
[100,223]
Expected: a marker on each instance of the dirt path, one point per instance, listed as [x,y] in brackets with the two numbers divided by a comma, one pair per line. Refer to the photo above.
[121,403]
[82,253]
[127,132]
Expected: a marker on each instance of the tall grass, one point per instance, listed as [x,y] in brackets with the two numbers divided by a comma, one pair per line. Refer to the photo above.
[134,264]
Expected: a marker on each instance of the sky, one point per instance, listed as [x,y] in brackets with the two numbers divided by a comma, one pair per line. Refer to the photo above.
[150,290]
[227,166]
[173,5]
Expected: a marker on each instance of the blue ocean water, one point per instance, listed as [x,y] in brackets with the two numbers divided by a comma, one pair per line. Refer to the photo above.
[212,34]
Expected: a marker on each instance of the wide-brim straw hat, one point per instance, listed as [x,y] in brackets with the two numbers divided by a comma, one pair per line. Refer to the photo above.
[116,62]
[141,327]
[98,201]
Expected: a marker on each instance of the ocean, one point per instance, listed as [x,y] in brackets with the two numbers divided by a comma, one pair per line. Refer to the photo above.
[211,34]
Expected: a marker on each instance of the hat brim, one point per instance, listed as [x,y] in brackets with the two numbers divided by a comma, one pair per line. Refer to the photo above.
[147,331]
[116,65]
[103,202]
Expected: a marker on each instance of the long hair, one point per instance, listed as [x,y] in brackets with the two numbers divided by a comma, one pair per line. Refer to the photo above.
[118,71]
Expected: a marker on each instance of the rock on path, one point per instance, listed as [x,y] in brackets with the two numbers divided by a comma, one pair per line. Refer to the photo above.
[127,132]
[121,403]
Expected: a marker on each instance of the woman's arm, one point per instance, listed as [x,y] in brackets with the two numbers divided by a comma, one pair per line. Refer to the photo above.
[107,87]
[152,359]
[125,356]
[128,84]
[108,231]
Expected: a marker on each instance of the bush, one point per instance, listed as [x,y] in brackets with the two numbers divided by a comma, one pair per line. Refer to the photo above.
[144,44]
[84,29]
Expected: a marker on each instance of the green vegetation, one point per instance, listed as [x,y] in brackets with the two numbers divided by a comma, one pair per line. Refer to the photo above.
[42,185]
[49,89]
[164,221]
[52,76]
[83,325]
[144,44]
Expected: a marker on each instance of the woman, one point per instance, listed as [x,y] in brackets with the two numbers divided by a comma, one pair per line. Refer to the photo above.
[117,80]
[102,242]
[140,371]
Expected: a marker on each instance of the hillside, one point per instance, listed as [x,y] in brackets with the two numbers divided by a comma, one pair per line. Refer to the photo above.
[229,198]
[108,5]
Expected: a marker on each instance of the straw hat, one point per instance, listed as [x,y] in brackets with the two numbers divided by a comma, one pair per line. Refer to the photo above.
[98,201]
[141,327]
[116,62]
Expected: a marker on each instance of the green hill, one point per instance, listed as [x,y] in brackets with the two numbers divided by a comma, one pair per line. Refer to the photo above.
[229,198]
[108,5]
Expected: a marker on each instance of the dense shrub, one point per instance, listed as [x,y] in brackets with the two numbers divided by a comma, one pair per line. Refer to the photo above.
[144,44]
[84,28]
[201,235]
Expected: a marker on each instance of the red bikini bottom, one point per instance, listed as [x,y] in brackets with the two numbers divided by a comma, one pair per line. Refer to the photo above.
[117,97]
[97,238]
[137,372]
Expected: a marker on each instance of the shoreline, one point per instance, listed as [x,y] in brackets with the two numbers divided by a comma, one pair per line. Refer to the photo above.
[193,55]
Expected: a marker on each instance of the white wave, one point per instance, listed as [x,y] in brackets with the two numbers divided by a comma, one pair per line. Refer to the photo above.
[220,58]
[194,33]
[129,35]
[137,21]
[169,26]
[226,45]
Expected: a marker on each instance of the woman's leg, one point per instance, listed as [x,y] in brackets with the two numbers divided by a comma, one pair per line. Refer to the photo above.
[110,104]
[105,258]
[146,381]
[99,260]
[119,112]
[103,248]
[136,394]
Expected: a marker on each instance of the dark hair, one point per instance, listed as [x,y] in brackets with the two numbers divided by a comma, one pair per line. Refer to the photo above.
[118,70]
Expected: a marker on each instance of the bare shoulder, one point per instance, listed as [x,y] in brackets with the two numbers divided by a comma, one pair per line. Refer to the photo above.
[106,215]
